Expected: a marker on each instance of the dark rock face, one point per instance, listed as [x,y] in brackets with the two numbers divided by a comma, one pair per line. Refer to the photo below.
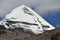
[2,27]
[47,35]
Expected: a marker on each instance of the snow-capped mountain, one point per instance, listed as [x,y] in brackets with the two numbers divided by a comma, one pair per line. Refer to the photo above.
[26,18]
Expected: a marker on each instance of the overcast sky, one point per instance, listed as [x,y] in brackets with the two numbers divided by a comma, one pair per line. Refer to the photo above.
[40,6]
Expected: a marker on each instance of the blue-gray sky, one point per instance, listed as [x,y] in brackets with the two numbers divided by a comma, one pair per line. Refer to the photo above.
[49,9]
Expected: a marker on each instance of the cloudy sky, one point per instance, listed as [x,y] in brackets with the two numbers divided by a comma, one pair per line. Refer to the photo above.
[48,9]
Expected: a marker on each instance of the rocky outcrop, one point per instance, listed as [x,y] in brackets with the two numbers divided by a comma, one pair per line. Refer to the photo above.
[18,35]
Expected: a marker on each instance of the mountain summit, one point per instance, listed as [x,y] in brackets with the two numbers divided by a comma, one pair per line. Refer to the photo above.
[26,19]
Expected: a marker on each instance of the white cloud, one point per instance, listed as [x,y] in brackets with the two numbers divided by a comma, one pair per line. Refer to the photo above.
[40,6]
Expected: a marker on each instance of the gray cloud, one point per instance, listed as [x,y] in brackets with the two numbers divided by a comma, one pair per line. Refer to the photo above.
[40,6]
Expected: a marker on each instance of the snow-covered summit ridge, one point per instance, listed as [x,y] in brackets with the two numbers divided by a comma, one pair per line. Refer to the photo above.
[24,17]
